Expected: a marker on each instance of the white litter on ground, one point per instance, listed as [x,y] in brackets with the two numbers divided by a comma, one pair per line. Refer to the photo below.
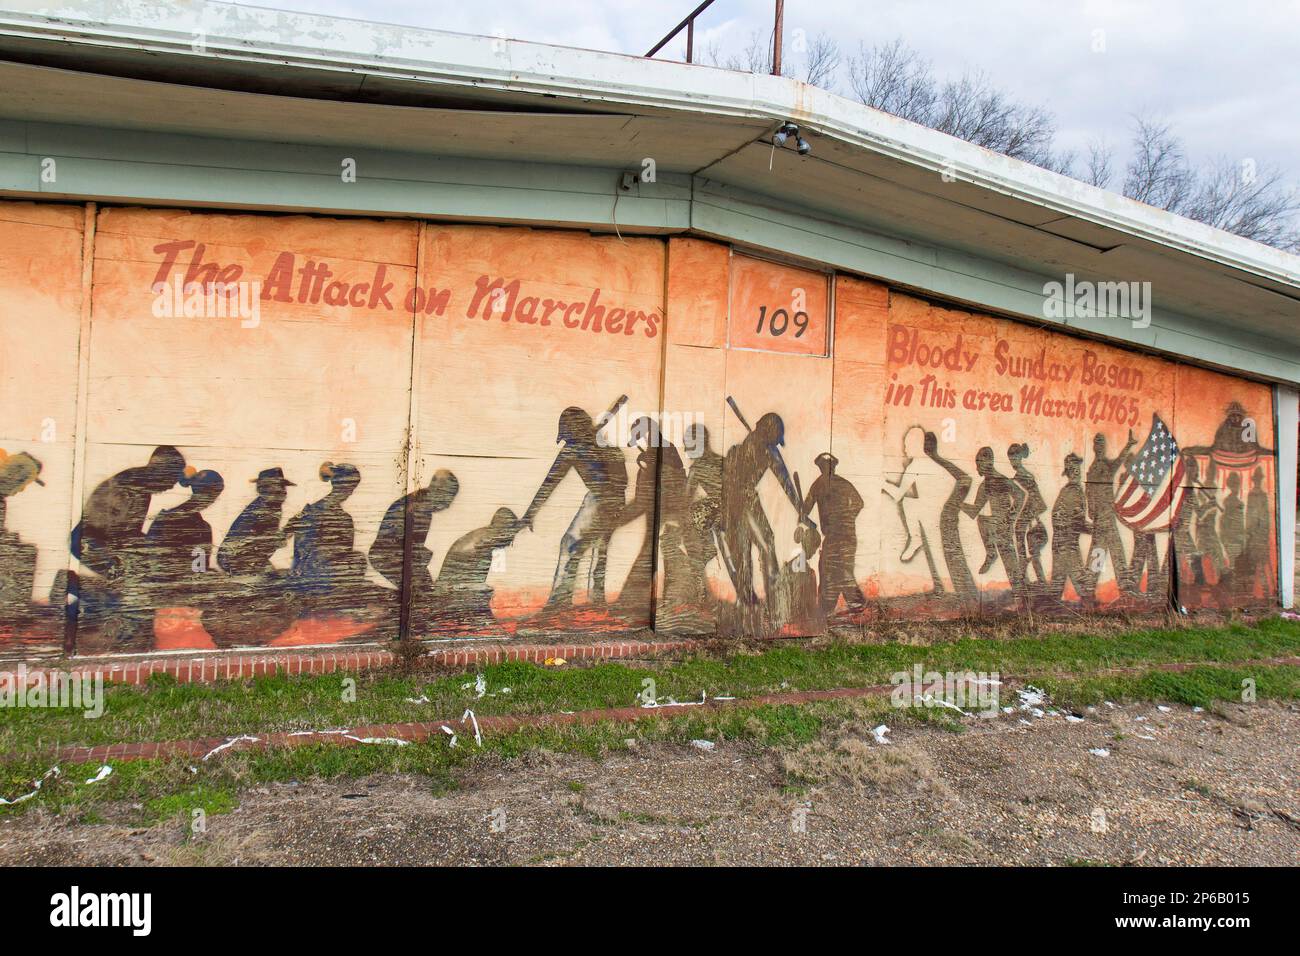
[52,772]
[1163,709]
[1100,751]
[422,699]
[104,771]
[1074,719]
[1144,736]
[394,741]
[1198,710]
[704,699]
[228,744]
[478,737]
[705,745]
[450,733]
[879,734]
[930,700]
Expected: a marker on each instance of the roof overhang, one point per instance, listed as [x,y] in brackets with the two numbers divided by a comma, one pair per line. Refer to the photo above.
[219,70]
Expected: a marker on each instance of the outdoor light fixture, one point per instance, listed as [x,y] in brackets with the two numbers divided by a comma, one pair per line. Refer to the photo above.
[784,134]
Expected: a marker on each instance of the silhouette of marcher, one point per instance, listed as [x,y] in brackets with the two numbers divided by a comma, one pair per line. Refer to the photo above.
[603,471]
[323,535]
[1069,522]
[1259,534]
[406,523]
[704,493]
[963,582]
[907,493]
[1099,493]
[1207,522]
[257,604]
[1232,524]
[744,521]
[838,505]
[256,533]
[17,559]
[659,492]
[460,595]
[180,542]
[997,528]
[1185,548]
[109,540]
[1030,532]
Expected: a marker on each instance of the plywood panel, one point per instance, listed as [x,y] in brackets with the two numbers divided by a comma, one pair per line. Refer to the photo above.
[539,322]
[40,308]
[306,370]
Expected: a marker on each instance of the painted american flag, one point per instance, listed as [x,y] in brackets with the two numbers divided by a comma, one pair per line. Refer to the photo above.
[1152,491]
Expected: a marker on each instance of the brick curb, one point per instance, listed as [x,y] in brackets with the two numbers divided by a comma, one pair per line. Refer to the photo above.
[418,731]
[237,666]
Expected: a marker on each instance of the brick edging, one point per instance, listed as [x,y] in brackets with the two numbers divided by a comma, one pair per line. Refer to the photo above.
[240,665]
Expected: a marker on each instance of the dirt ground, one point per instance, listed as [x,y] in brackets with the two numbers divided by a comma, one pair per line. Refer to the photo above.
[1208,788]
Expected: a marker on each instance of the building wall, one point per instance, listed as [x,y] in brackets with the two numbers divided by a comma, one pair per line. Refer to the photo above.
[372,395]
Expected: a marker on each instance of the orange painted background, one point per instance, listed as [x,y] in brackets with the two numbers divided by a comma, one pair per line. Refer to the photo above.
[284,421]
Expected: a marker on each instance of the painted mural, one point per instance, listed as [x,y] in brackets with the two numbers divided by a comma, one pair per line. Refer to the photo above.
[299,431]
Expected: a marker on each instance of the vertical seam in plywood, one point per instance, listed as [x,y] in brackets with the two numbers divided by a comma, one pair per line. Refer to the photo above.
[89,223]
[411,451]
[659,471]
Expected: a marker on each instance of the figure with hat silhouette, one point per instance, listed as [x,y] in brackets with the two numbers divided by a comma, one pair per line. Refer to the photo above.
[17,559]
[256,533]
[252,604]
[404,530]
[838,505]
[745,523]
[1069,521]
[603,469]
[460,596]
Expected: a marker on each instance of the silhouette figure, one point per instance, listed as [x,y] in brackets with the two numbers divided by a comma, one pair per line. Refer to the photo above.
[704,494]
[1100,496]
[17,559]
[603,470]
[997,528]
[1259,534]
[1207,511]
[460,595]
[1029,530]
[109,541]
[963,582]
[659,494]
[180,542]
[323,534]
[744,522]
[256,602]
[1069,521]
[1232,524]
[838,505]
[256,534]
[109,538]
[404,529]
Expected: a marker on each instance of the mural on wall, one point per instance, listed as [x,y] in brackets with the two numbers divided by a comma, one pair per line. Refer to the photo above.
[488,432]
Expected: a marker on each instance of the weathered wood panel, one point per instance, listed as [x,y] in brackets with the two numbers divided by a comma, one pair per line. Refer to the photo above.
[40,314]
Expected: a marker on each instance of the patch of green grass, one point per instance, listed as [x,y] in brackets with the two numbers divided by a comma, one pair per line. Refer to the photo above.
[171,789]
[163,709]
[1197,687]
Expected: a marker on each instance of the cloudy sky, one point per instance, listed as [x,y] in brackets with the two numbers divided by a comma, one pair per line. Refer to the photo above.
[1227,74]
